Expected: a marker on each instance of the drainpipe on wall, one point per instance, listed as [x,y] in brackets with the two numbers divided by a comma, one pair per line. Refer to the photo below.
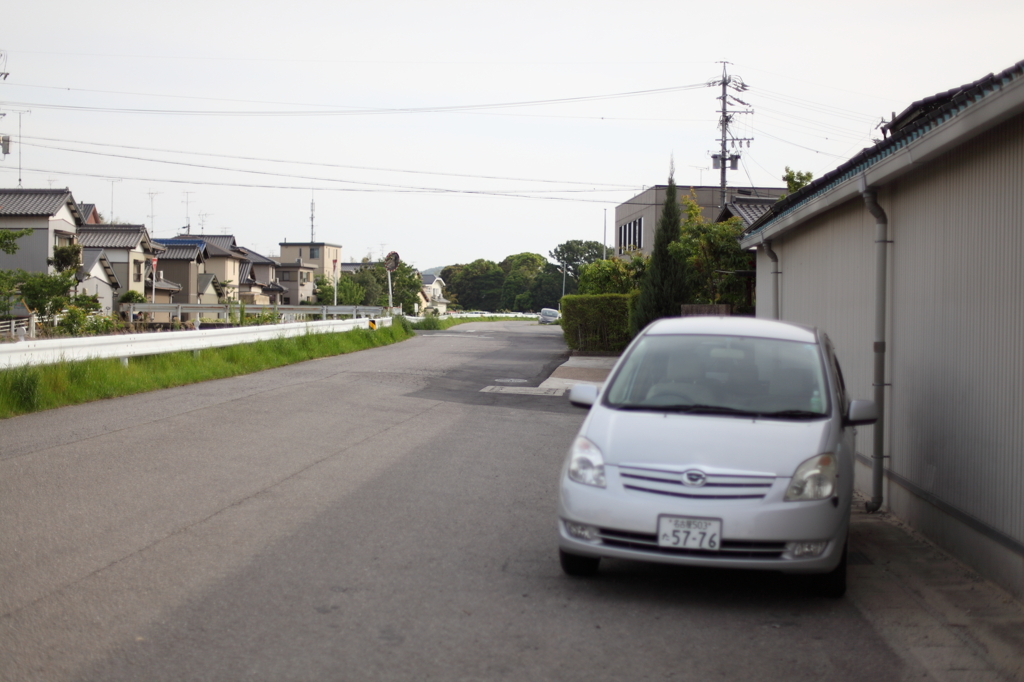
[881,241]
[776,303]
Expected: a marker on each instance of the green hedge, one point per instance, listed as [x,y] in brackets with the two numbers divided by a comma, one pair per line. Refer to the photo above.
[598,322]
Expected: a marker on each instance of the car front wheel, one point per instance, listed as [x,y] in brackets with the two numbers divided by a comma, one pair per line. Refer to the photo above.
[574,564]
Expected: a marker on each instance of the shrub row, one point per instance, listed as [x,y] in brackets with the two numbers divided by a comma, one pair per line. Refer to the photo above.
[597,322]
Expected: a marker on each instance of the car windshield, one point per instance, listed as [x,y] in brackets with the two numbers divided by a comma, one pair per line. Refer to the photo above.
[727,375]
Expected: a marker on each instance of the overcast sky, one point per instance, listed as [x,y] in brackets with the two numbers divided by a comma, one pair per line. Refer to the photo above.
[375,109]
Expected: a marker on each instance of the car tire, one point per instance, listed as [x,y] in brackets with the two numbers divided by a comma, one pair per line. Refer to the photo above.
[833,583]
[576,565]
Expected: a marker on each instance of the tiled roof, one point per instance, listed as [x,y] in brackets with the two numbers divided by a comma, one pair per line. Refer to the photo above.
[212,249]
[244,271]
[224,241]
[111,236]
[35,202]
[916,121]
[428,279]
[182,252]
[749,210]
[253,256]
[90,257]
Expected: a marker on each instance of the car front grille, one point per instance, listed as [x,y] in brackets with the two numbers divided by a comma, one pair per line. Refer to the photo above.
[715,487]
[733,549]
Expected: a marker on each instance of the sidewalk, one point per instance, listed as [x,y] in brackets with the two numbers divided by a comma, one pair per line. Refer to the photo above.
[580,369]
[944,620]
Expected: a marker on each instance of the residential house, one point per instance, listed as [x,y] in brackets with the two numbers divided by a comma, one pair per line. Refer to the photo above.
[637,219]
[296,278]
[223,258]
[431,295]
[129,248]
[96,277]
[909,256]
[321,255]
[258,279]
[90,215]
[52,214]
[185,263]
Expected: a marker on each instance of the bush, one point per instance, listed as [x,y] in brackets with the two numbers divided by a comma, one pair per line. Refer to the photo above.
[131,296]
[597,323]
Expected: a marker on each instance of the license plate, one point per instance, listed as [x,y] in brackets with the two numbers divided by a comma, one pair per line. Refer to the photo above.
[687,532]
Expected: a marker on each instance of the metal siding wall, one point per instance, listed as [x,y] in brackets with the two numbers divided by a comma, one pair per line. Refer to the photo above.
[955,412]
[958,335]
[828,281]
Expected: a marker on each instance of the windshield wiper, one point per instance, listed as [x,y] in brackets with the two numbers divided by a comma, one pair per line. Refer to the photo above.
[795,414]
[687,409]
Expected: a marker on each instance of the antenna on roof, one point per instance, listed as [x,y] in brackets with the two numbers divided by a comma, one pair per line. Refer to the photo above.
[188,221]
[152,215]
[312,212]
[202,222]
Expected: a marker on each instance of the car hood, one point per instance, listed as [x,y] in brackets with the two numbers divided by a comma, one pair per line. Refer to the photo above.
[767,446]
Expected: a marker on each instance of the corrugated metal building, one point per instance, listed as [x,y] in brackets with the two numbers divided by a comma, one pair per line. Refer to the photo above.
[949,180]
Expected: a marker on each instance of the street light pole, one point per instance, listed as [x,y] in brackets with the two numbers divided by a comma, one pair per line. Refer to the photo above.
[604,240]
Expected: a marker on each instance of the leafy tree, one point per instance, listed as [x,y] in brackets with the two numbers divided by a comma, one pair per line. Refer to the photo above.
[546,290]
[612,276]
[131,296]
[45,293]
[10,282]
[9,239]
[66,258]
[664,288]
[575,253]
[710,254]
[795,180]
[405,284]
[531,263]
[478,285]
[90,303]
[371,286]
[520,270]
[448,274]
[516,283]
[349,293]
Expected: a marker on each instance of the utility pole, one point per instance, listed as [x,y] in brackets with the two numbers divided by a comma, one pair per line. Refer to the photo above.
[312,212]
[110,220]
[724,160]
[152,227]
[604,240]
[188,220]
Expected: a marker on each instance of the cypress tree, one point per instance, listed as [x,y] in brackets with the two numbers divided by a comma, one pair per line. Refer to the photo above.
[663,288]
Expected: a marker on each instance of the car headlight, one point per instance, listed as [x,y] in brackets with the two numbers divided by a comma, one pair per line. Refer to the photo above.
[815,479]
[586,465]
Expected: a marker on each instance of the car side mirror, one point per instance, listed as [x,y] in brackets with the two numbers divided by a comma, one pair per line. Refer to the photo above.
[862,412]
[583,395]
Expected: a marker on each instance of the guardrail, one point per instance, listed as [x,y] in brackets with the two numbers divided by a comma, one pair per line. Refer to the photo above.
[226,310]
[50,351]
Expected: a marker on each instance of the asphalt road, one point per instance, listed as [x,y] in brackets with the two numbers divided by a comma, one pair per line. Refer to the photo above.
[366,517]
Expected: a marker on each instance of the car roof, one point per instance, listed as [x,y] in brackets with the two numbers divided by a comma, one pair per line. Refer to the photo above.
[733,326]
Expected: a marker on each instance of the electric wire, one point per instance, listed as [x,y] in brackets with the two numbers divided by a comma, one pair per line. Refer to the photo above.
[329,165]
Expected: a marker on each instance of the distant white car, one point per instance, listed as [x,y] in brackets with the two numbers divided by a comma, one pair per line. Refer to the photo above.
[548,316]
[719,442]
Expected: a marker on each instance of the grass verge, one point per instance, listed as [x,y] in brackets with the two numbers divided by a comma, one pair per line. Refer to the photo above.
[435,323]
[43,387]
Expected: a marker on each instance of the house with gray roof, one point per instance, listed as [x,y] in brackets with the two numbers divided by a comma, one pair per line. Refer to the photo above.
[53,216]
[129,248]
[223,258]
[184,262]
[909,256]
[96,277]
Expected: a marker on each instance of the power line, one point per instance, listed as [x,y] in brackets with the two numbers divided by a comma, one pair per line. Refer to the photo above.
[356,111]
[332,165]
[306,187]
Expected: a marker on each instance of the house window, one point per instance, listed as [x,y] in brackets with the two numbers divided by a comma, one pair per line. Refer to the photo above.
[300,252]
[287,301]
[314,252]
[286,276]
[138,270]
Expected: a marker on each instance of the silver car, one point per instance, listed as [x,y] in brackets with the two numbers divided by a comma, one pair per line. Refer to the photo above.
[718,442]
[548,316]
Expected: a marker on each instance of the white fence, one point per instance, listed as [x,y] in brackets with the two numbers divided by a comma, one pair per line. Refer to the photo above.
[49,351]
[11,327]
